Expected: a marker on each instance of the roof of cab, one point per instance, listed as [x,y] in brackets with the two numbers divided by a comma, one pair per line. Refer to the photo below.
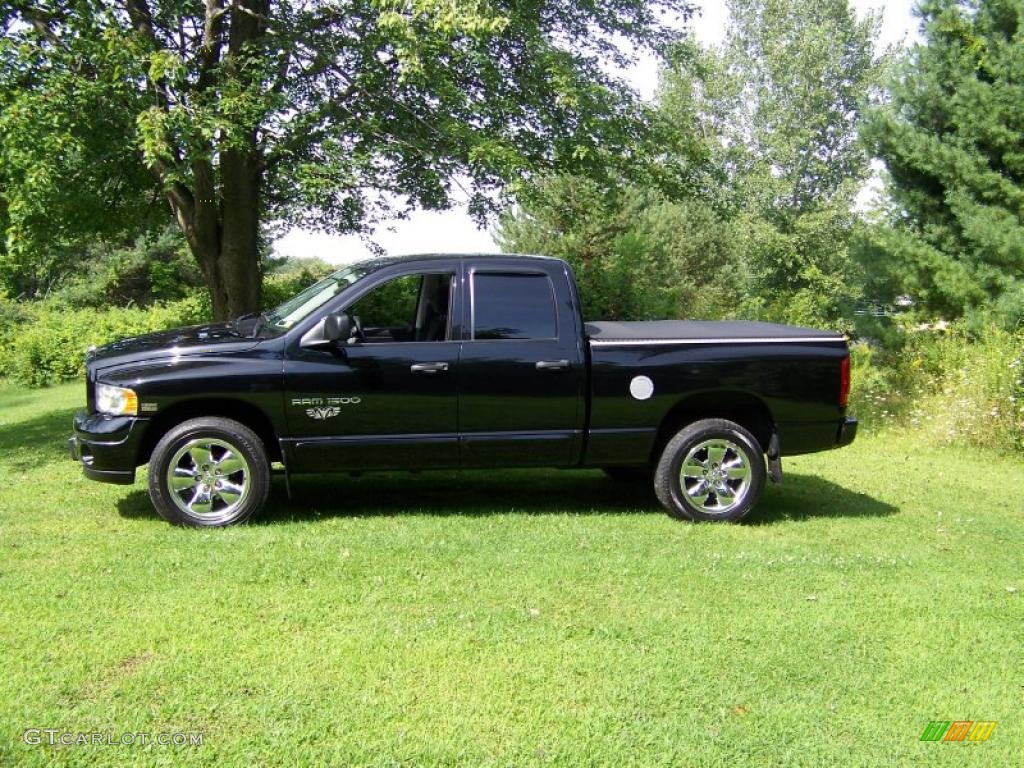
[433,256]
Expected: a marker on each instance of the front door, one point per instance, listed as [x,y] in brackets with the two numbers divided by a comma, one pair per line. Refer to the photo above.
[388,398]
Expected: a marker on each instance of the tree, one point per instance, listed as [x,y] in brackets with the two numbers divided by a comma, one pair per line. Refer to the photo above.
[952,139]
[783,98]
[157,267]
[637,254]
[70,176]
[764,132]
[249,114]
[796,76]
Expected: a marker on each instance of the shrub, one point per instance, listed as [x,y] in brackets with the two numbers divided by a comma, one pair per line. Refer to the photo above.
[970,391]
[280,286]
[14,315]
[44,342]
[156,267]
[636,254]
[874,392]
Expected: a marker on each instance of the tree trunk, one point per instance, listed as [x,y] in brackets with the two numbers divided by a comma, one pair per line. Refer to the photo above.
[221,221]
[231,266]
[237,266]
[223,234]
[235,274]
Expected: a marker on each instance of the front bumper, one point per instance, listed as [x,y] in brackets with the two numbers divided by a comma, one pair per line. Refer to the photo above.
[106,446]
[847,432]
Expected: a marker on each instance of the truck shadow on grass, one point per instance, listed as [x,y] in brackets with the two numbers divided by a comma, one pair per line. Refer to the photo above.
[809,497]
[518,492]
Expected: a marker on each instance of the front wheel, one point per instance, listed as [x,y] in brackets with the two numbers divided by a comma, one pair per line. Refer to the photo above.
[711,470]
[209,472]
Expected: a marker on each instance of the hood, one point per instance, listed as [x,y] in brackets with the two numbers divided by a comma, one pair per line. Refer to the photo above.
[177,342]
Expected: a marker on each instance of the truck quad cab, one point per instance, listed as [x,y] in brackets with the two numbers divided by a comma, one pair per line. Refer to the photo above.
[458,362]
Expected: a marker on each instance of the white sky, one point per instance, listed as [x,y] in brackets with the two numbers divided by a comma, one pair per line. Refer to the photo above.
[452,231]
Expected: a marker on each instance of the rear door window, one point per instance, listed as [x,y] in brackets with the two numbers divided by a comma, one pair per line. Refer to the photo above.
[513,306]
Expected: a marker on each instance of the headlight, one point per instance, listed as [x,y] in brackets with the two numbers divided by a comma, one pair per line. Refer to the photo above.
[116,401]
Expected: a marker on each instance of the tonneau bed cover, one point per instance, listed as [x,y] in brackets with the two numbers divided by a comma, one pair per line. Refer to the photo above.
[696,331]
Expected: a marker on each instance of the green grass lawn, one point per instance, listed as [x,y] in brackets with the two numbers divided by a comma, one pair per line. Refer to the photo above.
[514,618]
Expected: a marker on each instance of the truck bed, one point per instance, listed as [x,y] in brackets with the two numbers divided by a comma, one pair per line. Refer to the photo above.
[640,371]
[697,331]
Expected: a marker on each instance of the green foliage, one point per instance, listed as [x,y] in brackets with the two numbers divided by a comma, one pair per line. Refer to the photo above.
[783,98]
[802,272]
[331,116]
[950,136]
[46,342]
[68,165]
[156,267]
[636,254]
[956,387]
[793,78]
[766,128]
[42,342]
[289,277]
[14,317]
[392,305]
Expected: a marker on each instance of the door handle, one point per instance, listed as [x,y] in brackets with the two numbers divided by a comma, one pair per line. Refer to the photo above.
[553,365]
[429,367]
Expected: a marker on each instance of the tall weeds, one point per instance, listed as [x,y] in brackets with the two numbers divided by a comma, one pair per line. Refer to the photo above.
[954,388]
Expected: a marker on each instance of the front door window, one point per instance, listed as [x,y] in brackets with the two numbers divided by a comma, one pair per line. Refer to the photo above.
[408,308]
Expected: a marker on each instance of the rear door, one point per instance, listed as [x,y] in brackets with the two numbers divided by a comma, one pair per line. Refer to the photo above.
[522,372]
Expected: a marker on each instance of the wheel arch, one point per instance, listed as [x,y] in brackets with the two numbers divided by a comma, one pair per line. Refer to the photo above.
[743,408]
[241,411]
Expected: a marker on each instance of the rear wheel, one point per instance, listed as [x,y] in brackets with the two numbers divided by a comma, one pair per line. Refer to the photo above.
[711,470]
[209,472]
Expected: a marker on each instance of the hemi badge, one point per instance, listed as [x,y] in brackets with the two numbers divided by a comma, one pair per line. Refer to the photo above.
[147,407]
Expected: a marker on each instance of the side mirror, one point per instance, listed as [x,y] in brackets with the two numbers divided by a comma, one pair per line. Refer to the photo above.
[334,329]
[337,327]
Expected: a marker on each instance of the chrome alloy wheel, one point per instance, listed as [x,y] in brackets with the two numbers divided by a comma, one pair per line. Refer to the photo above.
[715,475]
[208,478]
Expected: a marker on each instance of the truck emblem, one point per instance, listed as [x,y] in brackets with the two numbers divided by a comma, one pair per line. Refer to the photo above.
[326,400]
[322,413]
[641,387]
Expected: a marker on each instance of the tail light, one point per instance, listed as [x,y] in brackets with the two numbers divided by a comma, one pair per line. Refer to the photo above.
[844,381]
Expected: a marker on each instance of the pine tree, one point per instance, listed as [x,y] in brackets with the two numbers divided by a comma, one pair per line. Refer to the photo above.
[952,139]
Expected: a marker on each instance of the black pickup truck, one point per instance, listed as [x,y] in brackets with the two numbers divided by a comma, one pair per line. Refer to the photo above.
[443,362]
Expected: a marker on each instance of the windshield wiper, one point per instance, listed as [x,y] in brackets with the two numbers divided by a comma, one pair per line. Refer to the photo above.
[262,319]
[238,324]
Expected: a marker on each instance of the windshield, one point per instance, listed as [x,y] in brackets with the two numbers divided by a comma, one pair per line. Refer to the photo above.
[308,301]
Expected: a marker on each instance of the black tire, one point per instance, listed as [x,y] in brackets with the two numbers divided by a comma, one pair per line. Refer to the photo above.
[233,496]
[705,438]
[629,474]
